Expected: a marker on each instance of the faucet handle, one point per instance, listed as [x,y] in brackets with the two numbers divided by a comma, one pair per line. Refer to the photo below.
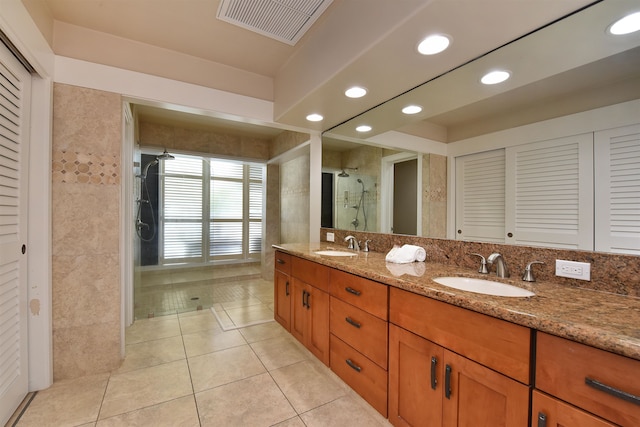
[528,272]
[366,245]
[483,264]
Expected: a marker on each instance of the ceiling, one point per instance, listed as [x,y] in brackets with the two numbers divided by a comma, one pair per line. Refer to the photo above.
[366,42]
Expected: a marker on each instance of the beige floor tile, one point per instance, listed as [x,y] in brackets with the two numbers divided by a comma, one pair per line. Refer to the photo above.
[291,422]
[241,303]
[180,412]
[223,319]
[345,411]
[203,342]
[152,353]
[205,321]
[280,351]
[251,314]
[67,403]
[222,367]
[152,329]
[308,385]
[145,387]
[263,331]
[239,404]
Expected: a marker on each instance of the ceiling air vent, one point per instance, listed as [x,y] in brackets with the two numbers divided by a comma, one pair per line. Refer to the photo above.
[283,20]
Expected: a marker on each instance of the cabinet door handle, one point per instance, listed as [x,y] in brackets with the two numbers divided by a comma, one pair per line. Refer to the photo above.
[304,302]
[308,305]
[620,394]
[352,291]
[434,380]
[353,365]
[286,288]
[447,382]
[542,419]
[279,261]
[353,322]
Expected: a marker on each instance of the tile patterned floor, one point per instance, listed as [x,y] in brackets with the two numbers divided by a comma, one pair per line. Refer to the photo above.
[185,370]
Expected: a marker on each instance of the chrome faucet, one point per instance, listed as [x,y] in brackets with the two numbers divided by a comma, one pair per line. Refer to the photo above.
[501,264]
[353,243]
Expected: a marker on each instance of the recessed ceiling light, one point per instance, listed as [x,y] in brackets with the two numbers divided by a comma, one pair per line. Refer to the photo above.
[355,92]
[495,77]
[314,117]
[412,109]
[363,128]
[433,44]
[628,24]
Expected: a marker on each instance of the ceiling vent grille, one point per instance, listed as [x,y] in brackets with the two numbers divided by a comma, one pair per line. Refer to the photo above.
[283,20]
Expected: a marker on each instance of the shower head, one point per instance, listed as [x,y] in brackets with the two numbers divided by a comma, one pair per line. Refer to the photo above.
[360,181]
[343,174]
[165,156]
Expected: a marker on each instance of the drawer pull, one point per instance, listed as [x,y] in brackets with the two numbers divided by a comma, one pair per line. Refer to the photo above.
[542,419]
[353,322]
[352,291]
[447,382]
[620,394]
[353,365]
[280,261]
[308,305]
[434,380]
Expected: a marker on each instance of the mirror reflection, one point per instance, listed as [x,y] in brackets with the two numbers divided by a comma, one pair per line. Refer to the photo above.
[573,71]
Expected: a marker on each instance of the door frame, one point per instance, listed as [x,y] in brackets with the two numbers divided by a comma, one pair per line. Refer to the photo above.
[386,190]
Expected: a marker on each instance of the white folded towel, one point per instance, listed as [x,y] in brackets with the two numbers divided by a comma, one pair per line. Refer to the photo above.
[414,269]
[406,254]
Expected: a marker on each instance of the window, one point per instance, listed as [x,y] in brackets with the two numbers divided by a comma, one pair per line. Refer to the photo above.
[211,210]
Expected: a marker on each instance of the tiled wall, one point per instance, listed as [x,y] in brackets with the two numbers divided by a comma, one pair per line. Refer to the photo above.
[87,135]
[434,197]
[294,200]
[609,272]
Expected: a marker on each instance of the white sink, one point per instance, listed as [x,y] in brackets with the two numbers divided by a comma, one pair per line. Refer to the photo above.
[335,253]
[482,286]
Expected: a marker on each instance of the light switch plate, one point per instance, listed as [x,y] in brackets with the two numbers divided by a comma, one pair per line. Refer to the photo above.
[331,237]
[573,269]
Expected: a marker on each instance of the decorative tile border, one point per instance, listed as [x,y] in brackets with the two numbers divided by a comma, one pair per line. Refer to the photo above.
[79,168]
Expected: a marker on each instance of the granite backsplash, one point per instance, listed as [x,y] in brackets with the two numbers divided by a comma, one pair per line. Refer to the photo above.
[616,273]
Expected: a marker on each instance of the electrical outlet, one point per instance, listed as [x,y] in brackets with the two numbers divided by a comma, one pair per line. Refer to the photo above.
[573,269]
[331,237]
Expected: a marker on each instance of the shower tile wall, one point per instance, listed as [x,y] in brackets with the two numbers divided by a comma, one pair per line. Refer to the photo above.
[294,200]
[434,200]
[87,134]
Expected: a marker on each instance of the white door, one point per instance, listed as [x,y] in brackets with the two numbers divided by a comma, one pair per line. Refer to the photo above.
[15,93]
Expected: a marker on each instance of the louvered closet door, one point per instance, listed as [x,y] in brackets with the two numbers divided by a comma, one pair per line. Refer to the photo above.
[480,183]
[617,166]
[549,193]
[15,89]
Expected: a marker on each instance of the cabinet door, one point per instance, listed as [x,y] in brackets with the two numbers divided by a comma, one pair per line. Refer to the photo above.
[549,193]
[282,290]
[617,169]
[547,411]
[415,379]
[477,396]
[317,332]
[298,309]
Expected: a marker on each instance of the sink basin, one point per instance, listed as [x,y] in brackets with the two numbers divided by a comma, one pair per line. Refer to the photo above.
[335,253]
[482,286]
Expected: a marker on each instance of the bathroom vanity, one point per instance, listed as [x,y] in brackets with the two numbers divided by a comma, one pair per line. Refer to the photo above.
[425,354]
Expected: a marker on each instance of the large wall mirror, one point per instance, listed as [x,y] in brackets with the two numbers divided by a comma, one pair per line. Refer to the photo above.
[570,66]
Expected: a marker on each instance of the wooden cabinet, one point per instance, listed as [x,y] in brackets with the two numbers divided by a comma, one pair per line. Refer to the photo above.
[282,289]
[310,306]
[359,335]
[452,367]
[547,411]
[602,383]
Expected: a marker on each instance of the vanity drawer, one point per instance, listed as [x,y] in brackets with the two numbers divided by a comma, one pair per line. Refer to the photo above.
[366,294]
[497,344]
[363,331]
[565,369]
[310,272]
[365,377]
[283,262]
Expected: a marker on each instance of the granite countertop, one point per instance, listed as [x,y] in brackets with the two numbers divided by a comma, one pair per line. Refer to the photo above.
[604,320]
